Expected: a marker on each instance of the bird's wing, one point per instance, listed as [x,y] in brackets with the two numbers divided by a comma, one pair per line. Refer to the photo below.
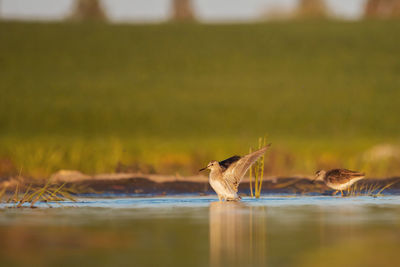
[235,172]
[228,162]
[343,176]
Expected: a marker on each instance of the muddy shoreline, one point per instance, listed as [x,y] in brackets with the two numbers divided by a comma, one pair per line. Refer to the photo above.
[280,185]
[142,184]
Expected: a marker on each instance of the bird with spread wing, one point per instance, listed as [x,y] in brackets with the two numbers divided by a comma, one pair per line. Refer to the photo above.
[226,175]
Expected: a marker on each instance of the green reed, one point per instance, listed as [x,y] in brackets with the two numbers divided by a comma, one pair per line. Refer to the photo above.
[258,170]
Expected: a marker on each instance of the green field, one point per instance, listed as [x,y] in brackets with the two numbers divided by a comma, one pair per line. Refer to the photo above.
[167,98]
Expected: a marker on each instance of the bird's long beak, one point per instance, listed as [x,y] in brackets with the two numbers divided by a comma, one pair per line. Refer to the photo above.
[202,169]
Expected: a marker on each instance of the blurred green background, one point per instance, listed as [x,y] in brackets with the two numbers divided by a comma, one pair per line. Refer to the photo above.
[167,98]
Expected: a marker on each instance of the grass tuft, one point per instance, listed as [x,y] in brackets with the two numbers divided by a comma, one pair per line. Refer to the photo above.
[258,169]
[33,195]
[365,189]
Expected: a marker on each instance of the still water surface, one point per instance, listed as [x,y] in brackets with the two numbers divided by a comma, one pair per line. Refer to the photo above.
[198,231]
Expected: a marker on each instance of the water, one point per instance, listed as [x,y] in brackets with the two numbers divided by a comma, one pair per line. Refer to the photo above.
[277,230]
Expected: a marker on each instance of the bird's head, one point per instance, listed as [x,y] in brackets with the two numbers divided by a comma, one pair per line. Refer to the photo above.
[319,175]
[212,165]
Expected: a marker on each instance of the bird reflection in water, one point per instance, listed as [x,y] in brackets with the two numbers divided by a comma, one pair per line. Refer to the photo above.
[237,234]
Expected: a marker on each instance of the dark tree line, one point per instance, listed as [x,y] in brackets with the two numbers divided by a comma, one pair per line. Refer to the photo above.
[88,10]
[93,10]
[182,10]
[311,8]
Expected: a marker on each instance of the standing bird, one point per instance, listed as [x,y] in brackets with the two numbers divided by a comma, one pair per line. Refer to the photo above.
[339,179]
[226,175]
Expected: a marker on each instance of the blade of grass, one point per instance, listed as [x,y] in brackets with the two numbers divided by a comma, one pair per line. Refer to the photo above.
[386,186]
[57,190]
[250,177]
[24,197]
[15,197]
[262,166]
[41,192]
[2,192]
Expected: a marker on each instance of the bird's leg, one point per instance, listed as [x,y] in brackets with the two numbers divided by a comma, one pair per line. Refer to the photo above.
[334,193]
[341,192]
[219,198]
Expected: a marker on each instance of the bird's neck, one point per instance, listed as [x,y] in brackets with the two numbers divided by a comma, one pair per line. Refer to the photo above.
[215,172]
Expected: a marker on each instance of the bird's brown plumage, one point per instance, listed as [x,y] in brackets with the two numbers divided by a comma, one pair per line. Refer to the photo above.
[342,176]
